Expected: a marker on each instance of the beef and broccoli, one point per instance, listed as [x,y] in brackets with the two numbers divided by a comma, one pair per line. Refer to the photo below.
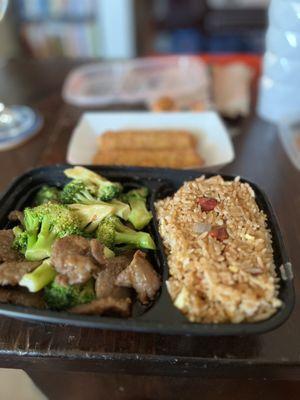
[81,248]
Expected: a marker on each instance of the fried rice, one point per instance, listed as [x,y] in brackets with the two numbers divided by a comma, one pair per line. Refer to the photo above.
[217,278]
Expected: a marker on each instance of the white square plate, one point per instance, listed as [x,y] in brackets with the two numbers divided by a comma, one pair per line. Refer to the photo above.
[214,143]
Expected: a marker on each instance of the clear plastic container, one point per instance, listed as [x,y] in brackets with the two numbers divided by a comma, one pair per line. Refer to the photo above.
[279,95]
[138,80]
[289,133]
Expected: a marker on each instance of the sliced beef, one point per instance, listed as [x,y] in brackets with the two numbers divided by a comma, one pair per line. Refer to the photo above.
[141,276]
[11,272]
[6,251]
[22,298]
[105,279]
[107,305]
[97,251]
[71,258]
[13,265]
[16,216]
[105,282]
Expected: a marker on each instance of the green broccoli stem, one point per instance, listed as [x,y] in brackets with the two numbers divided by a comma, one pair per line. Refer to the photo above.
[32,235]
[41,248]
[39,278]
[137,239]
[139,215]
[31,240]
[108,253]
[86,198]
[122,210]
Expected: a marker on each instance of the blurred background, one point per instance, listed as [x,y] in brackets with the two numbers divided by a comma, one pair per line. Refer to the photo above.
[244,70]
[129,28]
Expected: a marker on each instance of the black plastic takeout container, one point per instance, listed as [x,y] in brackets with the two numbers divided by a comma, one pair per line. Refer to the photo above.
[161,316]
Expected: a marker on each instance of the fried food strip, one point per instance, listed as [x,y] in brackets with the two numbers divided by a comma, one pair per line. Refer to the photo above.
[147,139]
[164,103]
[148,158]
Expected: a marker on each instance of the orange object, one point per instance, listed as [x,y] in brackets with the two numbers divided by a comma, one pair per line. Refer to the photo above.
[164,103]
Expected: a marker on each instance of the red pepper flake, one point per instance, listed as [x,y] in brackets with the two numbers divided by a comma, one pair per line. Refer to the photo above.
[219,233]
[207,203]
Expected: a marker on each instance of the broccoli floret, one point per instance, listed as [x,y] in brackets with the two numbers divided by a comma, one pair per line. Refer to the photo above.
[58,297]
[78,191]
[139,215]
[106,190]
[121,209]
[109,190]
[39,278]
[90,215]
[45,223]
[20,240]
[62,297]
[112,232]
[46,194]
[86,293]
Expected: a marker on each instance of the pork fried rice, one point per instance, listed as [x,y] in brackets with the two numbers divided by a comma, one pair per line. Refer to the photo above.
[219,249]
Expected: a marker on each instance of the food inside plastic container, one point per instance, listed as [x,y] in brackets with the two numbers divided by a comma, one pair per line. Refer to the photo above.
[140,80]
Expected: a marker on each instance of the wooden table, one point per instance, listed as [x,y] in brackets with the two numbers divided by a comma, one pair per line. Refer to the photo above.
[170,362]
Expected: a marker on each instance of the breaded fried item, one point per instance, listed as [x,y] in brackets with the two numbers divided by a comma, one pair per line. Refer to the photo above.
[148,158]
[164,103]
[146,139]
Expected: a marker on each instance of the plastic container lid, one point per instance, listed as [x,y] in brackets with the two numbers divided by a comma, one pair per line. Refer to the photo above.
[137,80]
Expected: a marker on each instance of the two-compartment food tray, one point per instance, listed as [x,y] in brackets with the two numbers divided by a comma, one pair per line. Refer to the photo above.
[161,315]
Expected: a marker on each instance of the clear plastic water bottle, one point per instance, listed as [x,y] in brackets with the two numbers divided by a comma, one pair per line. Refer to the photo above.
[279,91]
